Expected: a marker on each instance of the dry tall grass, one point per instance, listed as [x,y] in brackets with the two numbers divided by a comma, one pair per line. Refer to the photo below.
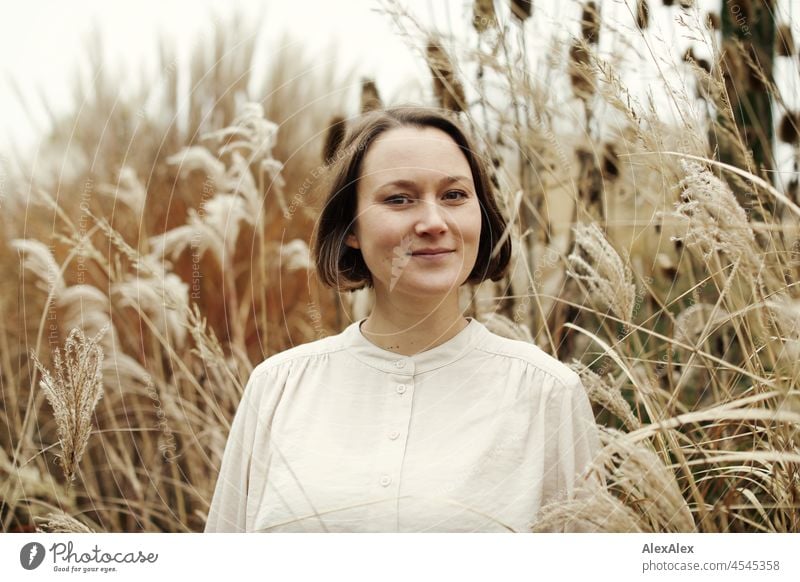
[183,228]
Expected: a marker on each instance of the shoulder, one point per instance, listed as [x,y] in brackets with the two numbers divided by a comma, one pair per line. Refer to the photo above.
[298,354]
[530,355]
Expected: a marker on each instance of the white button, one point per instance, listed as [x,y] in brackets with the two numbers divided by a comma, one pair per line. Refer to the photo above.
[386,481]
[394,434]
[401,388]
[399,364]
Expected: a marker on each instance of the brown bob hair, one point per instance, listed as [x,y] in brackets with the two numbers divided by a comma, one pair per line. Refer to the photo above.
[342,267]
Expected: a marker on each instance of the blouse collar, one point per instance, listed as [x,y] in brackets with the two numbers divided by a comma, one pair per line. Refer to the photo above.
[387,361]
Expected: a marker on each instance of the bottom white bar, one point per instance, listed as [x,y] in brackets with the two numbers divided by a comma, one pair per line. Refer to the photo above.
[401,557]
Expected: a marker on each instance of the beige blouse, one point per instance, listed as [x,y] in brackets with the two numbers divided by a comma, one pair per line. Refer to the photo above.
[339,435]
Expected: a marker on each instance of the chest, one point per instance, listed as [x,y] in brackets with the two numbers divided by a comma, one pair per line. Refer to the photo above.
[407,454]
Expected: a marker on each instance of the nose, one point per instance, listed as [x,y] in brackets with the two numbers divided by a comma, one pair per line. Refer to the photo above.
[432,219]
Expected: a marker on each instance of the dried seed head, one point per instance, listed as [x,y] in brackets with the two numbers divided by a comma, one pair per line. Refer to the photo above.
[788,128]
[581,74]
[713,21]
[784,41]
[522,9]
[61,523]
[686,4]
[86,307]
[596,511]
[690,57]
[595,262]
[294,255]
[637,472]
[642,14]
[446,86]
[370,98]
[41,262]
[250,133]
[610,168]
[603,393]
[590,22]
[128,190]
[199,158]
[483,16]
[162,295]
[337,129]
[715,220]
[73,394]
[691,322]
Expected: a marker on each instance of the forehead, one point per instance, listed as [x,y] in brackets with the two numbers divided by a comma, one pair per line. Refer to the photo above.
[404,149]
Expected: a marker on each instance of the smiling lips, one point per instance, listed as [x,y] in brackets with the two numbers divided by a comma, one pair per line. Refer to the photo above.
[432,255]
[432,252]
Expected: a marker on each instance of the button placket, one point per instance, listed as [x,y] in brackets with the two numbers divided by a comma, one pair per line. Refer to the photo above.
[402,384]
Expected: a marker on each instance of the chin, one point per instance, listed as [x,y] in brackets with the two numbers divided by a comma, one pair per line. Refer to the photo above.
[429,289]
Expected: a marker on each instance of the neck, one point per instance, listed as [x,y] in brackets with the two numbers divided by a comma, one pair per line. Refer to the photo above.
[410,330]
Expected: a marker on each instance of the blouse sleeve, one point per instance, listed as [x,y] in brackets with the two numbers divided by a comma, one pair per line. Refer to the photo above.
[578,439]
[573,444]
[228,511]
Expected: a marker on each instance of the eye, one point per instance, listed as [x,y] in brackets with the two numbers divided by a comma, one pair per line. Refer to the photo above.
[459,195]
[397,199]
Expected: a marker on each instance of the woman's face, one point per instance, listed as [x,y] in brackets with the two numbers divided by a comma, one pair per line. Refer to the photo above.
[416,195]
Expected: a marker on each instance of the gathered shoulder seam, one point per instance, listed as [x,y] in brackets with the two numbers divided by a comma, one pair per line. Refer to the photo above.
[555,374]
[281,358]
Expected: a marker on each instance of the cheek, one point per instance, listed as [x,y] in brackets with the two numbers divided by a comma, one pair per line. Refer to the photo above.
[472,226]
[377,234]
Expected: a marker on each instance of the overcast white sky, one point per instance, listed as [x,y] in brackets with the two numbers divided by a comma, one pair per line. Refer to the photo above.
[42,42]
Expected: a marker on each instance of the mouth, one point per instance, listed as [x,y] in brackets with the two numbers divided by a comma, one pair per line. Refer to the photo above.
[432,255]
[432,251]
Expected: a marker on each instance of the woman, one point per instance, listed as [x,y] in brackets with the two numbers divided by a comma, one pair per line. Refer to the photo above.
[415,418]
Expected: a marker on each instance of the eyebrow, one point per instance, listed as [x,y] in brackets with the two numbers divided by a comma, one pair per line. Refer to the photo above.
[411,184]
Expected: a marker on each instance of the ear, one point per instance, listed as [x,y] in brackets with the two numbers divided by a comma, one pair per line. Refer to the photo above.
[351,241]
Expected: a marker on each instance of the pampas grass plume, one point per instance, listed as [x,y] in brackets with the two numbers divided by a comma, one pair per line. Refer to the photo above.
[595,262]
[73,394]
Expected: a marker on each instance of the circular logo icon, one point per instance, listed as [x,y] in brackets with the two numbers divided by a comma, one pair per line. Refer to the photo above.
[31,555]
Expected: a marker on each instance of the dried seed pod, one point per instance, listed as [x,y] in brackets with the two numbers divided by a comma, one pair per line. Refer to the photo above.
[686,4]
[590,23]
[446,86]
[690,57]
[784,41]
[580,74]
[370,98]
[333,138]
[788,128]
[713,21]
[642,14]
[522,9]
[610,168]
[483,16]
